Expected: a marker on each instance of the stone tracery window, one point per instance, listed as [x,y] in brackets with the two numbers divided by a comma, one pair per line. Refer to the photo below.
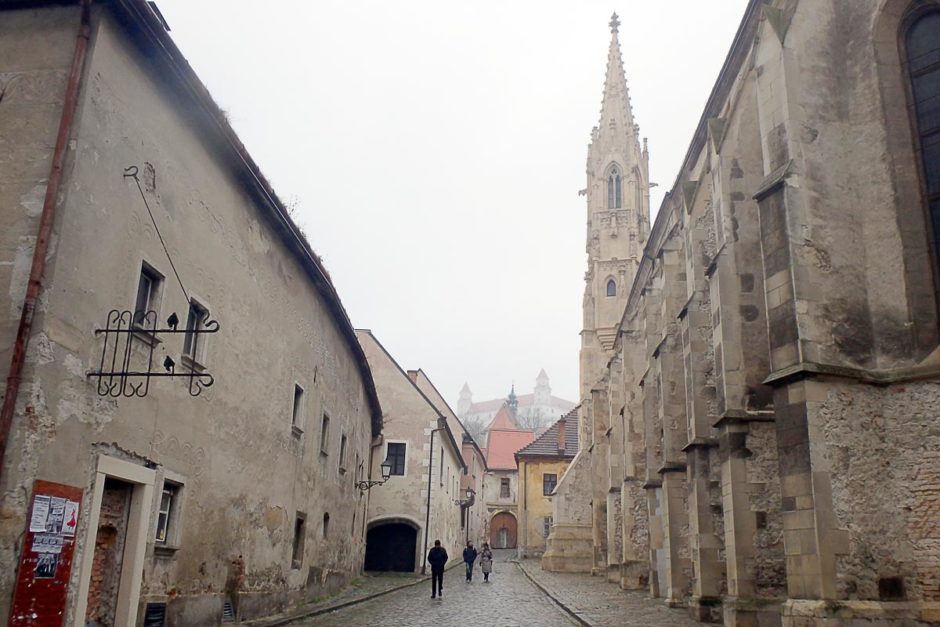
[611,287]
[923,62]
[614,189]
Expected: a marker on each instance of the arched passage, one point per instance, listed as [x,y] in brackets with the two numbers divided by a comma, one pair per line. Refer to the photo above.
[503,531]
[391,545]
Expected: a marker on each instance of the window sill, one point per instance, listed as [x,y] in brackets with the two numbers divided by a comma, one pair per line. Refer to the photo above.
[145,336]
[165,550]
[296,431]
[189,362]
[342,470]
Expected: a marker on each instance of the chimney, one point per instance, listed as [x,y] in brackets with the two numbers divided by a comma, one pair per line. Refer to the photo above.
[561,436]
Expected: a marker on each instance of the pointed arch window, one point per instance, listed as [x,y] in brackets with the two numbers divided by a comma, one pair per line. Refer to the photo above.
[611,287]
[923,61]
[614,189]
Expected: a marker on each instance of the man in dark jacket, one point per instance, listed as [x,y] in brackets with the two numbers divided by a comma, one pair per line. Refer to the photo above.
[469,556]
[437,558]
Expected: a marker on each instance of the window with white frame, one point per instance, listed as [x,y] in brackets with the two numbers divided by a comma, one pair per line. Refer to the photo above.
[148,292]
[166,533]
[297,410]
[396,457]
[194,342]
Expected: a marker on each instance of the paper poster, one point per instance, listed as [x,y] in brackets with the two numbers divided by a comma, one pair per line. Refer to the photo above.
[47,543]
[37,521]
[70,518]
[46,565]
[56,515]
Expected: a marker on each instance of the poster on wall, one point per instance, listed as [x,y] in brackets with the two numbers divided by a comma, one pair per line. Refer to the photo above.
[45,563]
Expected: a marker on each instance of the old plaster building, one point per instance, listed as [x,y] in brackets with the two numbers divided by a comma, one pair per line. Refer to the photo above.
[420,501]
[501,496]
[473,514]
[208,469]
[760,431]
[540,464]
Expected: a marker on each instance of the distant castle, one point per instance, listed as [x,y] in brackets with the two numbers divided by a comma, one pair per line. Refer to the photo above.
[539,407]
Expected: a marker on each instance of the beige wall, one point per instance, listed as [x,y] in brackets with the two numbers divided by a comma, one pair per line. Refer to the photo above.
[245,474]
[409,417]
[535,506]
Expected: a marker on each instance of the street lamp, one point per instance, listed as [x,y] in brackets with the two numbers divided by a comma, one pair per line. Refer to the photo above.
[386,473]
[467,502]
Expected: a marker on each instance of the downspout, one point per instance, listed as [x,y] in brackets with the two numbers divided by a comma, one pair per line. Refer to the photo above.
[46,220]
[427,515]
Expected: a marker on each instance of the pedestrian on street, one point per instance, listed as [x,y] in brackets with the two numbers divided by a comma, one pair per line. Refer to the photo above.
[486,562]
[469,556]
[437,557]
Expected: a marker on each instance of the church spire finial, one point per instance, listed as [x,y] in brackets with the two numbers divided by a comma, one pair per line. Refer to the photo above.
[614,23]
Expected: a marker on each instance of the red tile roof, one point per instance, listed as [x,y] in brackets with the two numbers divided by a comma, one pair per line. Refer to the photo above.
[504,420]
[502,446]
[546,445]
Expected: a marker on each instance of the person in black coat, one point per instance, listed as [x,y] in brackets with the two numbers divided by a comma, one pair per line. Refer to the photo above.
[469,556]
[437,558]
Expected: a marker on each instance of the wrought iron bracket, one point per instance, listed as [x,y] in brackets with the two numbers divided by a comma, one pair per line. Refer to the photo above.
[365,486]
[127,355]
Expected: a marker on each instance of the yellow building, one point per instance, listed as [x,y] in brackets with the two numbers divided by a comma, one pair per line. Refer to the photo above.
[541,464]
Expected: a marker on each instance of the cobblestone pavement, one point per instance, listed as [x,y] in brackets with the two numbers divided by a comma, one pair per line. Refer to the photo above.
[601,603]
[509,600]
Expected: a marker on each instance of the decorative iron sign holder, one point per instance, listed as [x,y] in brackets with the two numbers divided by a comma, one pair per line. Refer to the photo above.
[124,371]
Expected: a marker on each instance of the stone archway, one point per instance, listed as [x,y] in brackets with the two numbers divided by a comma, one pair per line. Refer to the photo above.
[391,545]
[503,531]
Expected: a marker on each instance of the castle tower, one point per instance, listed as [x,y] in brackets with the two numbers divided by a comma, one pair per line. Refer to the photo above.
[617,216]
[543,391]
[465,401]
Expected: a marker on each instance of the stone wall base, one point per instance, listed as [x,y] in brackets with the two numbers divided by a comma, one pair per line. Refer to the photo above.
[751,612]
[706,609]
[635,575]
[811,613]
[570,549]
[613,573]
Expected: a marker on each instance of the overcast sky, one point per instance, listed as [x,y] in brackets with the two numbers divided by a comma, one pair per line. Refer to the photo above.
[434,151]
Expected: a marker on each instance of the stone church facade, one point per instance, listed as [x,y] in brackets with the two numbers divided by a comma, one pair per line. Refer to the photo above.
[760,411]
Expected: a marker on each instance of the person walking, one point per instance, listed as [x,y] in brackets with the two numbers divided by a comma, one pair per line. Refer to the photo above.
[486,562]
[437,558]
[469,556]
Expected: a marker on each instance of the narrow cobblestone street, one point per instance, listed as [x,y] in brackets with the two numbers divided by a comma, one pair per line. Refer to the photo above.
[511,599]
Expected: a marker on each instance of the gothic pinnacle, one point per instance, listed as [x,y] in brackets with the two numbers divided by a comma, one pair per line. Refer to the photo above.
[614,23]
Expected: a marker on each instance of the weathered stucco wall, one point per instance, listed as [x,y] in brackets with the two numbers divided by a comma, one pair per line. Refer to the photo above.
[245,473]
[535,505]
[409,417]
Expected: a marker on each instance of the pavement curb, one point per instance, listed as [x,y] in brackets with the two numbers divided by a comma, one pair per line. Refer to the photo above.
[287,620]
[551,595]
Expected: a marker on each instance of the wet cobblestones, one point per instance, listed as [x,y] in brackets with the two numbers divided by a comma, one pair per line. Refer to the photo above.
[601,603]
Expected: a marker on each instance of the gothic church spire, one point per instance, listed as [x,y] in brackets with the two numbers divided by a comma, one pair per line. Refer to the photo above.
[616,110]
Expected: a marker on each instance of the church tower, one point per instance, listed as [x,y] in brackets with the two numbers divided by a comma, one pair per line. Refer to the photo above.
[617,216]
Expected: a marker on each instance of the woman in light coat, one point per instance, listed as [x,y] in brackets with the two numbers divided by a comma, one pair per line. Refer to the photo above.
[486,562]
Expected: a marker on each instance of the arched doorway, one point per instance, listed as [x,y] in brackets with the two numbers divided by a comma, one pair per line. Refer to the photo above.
[391,546]
[503,531]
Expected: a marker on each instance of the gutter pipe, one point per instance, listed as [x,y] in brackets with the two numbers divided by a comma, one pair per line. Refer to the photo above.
[46,220]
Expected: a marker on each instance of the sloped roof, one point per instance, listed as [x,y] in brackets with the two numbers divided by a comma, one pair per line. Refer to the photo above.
[503,420]
[502,446]
[546,445]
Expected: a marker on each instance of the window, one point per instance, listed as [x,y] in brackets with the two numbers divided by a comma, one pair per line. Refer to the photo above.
[300,533]
[396,456]
[195,322]
[923,59]
[326,525]
[549,481]
[325,435]
[504,488]
[297,411]
[148,289]
[614,190]
[167,512]
[342,454]
[611,287]
[547,525]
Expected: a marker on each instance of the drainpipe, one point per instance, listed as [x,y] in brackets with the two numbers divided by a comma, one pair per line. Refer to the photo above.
[46,220]
[427,516]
